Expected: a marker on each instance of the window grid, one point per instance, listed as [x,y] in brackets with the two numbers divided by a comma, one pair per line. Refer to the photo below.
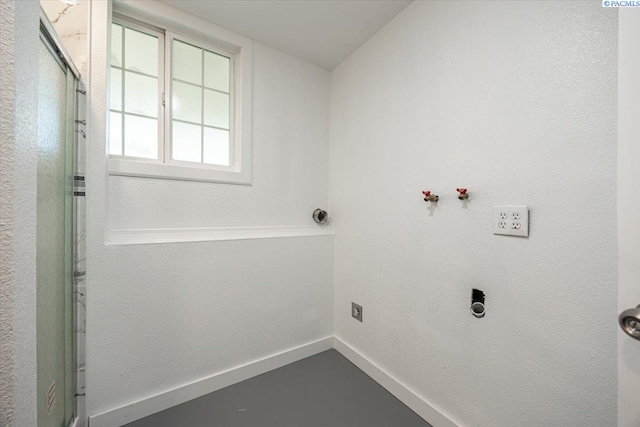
[192,123]
[201,86]
[165,138]
[123,85]
[172,39]
[202,106]
[123,26]
[121,71]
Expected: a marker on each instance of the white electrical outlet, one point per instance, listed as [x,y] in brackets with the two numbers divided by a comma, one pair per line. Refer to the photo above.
[511,220]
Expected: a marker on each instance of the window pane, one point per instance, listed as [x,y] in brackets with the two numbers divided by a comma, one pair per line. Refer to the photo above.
[116,89]
[141,94]
[116,45]
[187,102]
[186,143]
[216,147]
[140,137]
[216,71]
[141,52]
[115,134]
[216,109]
[187,62]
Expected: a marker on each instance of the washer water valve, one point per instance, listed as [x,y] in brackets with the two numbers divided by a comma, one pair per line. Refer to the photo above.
[428,197]
[463,195]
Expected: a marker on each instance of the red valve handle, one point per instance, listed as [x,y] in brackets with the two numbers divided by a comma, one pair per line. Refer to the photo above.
[426,193]
[461,190]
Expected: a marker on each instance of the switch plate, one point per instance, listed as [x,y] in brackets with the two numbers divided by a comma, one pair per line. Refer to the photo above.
[511,220]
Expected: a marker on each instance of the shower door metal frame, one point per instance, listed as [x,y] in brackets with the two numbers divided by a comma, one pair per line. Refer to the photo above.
[55,46]
[52,39]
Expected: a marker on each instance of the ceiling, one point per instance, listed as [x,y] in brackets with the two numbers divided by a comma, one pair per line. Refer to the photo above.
[323,32]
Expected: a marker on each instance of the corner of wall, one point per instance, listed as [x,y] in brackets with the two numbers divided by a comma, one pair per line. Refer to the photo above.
[18,159]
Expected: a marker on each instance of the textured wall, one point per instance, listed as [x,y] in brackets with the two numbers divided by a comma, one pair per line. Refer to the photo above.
[160,316]
[6,209]
[19,106]
[517,101]
[290,167]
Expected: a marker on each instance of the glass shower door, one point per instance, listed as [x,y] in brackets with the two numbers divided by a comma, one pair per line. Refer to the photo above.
[54,244]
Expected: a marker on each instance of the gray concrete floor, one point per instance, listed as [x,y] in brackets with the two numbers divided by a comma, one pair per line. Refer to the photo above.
[325,390]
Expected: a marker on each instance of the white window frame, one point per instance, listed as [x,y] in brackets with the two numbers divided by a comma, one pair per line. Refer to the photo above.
[239,50]
[169,38]
[161,85]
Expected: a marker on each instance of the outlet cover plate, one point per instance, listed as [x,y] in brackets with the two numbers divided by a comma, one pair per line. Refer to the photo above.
[511,220]
[356,311]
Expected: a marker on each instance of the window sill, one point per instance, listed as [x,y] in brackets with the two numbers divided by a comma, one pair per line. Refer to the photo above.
[184,235]
[141,168]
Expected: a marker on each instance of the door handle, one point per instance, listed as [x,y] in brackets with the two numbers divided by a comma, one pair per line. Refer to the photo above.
[630,322]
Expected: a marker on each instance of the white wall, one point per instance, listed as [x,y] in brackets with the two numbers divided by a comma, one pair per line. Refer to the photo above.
[290,170]
[517,102]
[19,42]
[160,316]
[628,207]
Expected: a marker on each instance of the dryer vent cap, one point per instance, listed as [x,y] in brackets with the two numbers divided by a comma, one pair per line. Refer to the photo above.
[320,216]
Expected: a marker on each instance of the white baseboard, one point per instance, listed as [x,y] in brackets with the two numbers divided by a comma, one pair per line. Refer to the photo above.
[417,404]
[159,402]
